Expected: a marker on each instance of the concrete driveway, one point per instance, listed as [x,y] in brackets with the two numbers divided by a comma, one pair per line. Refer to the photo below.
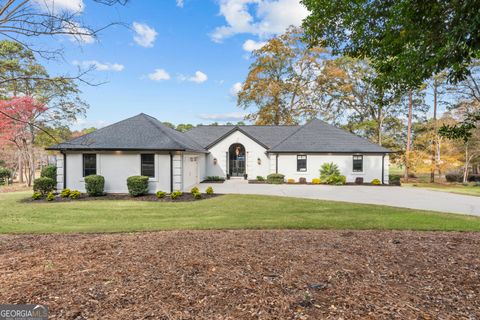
[406,197]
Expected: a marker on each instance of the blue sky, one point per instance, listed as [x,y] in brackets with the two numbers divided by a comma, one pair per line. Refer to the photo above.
[176,60]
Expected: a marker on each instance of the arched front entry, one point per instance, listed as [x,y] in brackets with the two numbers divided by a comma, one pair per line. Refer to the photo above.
[236,155]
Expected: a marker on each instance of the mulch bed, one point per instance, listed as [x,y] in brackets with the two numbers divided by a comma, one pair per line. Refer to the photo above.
[245,275]
[185,197]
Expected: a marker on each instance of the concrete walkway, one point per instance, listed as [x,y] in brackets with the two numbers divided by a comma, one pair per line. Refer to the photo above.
[406,197]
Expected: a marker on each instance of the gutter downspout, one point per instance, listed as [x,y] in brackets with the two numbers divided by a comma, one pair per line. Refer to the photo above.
[383,169]
[171,172]
[64,169]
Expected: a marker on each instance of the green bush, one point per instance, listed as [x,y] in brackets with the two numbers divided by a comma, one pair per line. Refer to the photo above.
[160,194]
[454,177]
[214,178]
[376,182]
[194,190]
[36,196]
[197,195]
[175,194]
[50,196]
[94,185]
[275,178]
[65,193]
[5,175]
[44,185]
[209,190]
[394,179]
[137,185]
[49,171]
[75,194]
[260,178]
[330,174]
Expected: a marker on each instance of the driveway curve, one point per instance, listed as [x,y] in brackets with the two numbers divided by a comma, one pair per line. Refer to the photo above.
[405,197]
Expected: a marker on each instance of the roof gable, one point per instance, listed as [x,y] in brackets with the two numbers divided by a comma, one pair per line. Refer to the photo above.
[319,136]
[141,132]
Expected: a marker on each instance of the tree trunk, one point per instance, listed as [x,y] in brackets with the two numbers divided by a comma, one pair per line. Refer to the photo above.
[435,140]
[20,169]
[409,136]
[465,169]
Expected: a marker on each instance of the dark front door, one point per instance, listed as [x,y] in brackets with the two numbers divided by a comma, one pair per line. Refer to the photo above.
[237,160]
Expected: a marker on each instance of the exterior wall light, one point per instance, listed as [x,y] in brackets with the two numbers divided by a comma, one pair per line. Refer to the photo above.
[259,161]
[214,161]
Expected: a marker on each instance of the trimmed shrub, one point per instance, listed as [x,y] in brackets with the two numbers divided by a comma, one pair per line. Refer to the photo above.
[175,194]
[94,185]
[316,181]
[209,190]
[160,194]
[330,174]
[194,190]
[394,179]
[214,178]
[137,185]
[49,171]
[5,175]
[36,196]
[75,194]
[50,196]
[44,185]
[197,195]
[276,178]
[260,178]
[291,181]
[454,177]
[376,182]
[65,193]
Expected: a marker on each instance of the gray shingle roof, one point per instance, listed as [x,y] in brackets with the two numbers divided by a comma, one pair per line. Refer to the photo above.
[141,132]
[319,136]
[266,135]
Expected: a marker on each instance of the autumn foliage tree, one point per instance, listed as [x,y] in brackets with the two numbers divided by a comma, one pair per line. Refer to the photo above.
[16,127]
[281,84]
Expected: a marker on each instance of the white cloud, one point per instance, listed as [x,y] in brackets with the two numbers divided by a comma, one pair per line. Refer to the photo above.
[199,77]
[262,18]
[229,116]
[180,3]
[78,33]
[251,45]
[158,75]
[99,66]
[61,5]
[235,89]
[144,35]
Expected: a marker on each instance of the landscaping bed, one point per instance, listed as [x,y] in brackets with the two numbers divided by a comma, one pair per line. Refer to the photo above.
[245,274]
[110,196]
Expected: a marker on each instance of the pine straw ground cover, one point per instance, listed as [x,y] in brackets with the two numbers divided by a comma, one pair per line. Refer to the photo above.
[245,274]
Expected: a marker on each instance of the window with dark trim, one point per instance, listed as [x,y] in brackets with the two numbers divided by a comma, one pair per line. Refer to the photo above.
[301,163]
[89,164]
[148,165]
[357,163]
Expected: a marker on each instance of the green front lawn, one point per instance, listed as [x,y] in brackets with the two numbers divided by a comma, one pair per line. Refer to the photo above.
[459,188]
[225,212]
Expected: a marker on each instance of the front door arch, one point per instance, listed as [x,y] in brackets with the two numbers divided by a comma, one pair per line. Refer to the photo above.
[236,156]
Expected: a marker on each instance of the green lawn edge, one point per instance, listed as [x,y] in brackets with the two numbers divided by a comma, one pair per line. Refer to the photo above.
[227,212]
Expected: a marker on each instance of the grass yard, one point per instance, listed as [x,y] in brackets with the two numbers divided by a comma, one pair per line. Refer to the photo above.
[470,189]
[225,212]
